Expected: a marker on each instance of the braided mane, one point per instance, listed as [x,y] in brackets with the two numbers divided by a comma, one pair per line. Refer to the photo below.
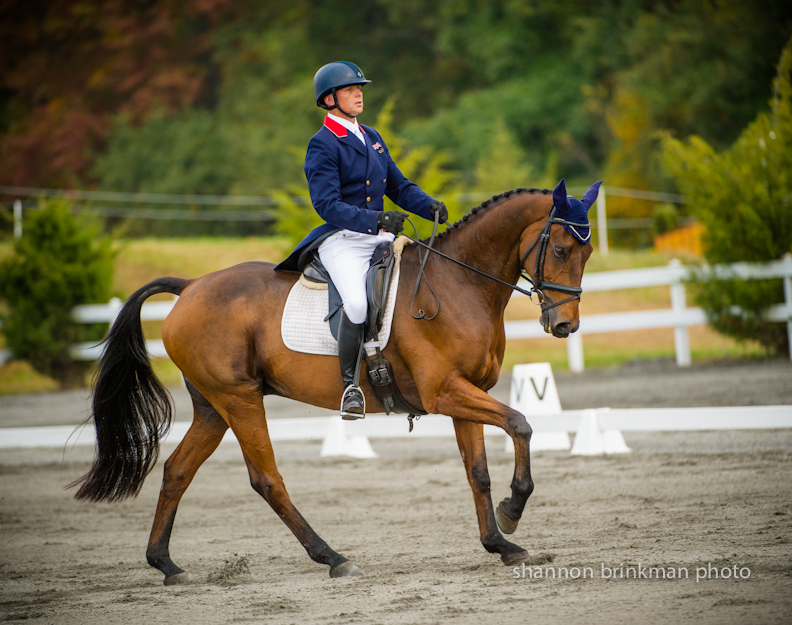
[487,203]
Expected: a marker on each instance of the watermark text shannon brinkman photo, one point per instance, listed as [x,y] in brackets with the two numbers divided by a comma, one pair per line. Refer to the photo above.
[631,571]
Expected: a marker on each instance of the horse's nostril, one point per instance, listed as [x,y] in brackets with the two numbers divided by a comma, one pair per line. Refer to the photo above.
[562,329]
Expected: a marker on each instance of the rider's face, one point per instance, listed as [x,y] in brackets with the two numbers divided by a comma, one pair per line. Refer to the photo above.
[350,99]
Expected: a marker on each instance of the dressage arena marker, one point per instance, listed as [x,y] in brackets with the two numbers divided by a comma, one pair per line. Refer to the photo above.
[377,426]
[592,440]
[338,442]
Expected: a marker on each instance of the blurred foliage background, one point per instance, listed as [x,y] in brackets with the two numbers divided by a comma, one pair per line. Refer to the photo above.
[215,96]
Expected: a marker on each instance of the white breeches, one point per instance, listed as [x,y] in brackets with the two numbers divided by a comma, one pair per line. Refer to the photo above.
[346,256]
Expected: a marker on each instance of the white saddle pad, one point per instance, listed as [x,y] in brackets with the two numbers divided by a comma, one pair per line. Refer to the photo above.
[303,327]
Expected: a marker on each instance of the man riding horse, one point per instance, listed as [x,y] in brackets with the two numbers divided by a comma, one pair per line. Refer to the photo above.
[350,172]
[224,334]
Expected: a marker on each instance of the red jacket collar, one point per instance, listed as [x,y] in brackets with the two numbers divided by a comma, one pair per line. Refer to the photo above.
[333,126]
[337,129]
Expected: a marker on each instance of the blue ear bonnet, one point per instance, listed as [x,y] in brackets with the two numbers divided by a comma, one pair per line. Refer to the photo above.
[576,214]
[573,213]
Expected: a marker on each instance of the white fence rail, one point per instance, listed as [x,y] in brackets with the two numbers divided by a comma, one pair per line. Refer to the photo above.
[383,427]
[679,316]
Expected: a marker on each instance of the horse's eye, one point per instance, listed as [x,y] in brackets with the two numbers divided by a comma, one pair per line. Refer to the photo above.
[560,252]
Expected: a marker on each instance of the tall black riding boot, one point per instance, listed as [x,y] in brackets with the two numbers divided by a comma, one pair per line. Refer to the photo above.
[350,336]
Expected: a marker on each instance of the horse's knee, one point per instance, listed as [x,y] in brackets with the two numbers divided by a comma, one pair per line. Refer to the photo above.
[520,426]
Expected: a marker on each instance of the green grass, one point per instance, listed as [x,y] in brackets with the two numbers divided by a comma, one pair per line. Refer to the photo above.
[18,378]
[143,260]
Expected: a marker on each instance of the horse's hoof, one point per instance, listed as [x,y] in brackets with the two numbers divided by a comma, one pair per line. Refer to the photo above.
[512,559]
[345,569]
[179,578]
[505,523]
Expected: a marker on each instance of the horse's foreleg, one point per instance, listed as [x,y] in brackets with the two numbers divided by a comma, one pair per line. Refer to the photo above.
[266,481]
[470,438]
[463,400]
[201,440]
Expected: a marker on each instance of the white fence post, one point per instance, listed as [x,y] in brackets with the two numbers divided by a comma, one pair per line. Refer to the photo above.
[602,223]
[18,219]
[114,308]
[575,352]
[788,297]
[678,305]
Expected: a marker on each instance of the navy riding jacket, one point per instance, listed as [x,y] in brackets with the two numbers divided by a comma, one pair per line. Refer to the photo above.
[348,182]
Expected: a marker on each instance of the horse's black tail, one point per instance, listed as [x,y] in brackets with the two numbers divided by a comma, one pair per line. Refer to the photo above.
[131,408]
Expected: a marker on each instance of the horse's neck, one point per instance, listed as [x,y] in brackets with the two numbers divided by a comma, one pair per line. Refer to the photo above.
[490,241]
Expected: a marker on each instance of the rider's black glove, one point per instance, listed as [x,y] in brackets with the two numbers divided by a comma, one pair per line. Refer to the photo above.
[391,221]
[439,206]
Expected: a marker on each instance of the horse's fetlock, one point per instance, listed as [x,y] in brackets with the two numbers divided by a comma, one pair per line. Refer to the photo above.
[522,488]
[493,544]
[156,558]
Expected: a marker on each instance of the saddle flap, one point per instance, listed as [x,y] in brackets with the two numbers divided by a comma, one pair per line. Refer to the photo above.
[378,282]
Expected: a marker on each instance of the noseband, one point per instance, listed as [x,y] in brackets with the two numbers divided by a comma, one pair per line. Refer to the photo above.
[538,285]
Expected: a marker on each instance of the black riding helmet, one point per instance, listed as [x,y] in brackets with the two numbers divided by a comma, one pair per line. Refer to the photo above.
[334,76]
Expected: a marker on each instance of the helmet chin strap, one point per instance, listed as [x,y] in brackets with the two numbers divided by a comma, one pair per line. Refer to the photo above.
[336,106]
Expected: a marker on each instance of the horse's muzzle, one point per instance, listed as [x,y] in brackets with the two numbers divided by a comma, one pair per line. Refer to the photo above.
[562,330]
[558,328]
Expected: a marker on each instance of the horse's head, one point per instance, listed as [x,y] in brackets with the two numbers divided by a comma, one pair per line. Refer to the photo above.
[556,257]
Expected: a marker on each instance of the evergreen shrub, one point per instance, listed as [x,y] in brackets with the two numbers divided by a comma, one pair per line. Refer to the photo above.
[59,262]
[743,197]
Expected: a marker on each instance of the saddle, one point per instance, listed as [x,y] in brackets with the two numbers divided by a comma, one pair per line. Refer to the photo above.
[378,280]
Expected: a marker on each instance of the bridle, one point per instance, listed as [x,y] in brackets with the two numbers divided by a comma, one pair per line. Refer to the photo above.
[541,285]
[538,284]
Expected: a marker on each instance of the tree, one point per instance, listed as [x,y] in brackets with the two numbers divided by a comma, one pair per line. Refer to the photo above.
[743,197]
[58,263]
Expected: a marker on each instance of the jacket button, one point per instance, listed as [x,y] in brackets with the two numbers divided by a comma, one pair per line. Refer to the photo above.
[384,180]
[368,199]
[367,182]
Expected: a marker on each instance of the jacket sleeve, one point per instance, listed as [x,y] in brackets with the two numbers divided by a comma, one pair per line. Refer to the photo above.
[322,169]
[404,193]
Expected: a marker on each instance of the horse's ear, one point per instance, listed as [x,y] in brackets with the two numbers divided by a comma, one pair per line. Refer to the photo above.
[560,196]
[590,196]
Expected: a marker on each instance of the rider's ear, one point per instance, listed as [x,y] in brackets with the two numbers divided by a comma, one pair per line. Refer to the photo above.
[328,100]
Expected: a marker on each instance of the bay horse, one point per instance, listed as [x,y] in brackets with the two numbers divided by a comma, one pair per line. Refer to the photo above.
[224,335]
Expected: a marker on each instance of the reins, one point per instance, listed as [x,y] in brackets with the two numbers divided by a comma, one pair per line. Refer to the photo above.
[537,286]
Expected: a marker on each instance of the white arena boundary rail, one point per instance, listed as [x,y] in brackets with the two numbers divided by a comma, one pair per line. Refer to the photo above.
[679,316]
[342,438]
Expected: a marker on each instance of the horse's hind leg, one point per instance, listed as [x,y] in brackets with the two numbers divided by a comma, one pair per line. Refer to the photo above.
[251,431]
[201,440]
[470,439]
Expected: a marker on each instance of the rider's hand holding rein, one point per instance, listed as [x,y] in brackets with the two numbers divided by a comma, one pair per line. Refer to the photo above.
[391,221]
[436,206]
